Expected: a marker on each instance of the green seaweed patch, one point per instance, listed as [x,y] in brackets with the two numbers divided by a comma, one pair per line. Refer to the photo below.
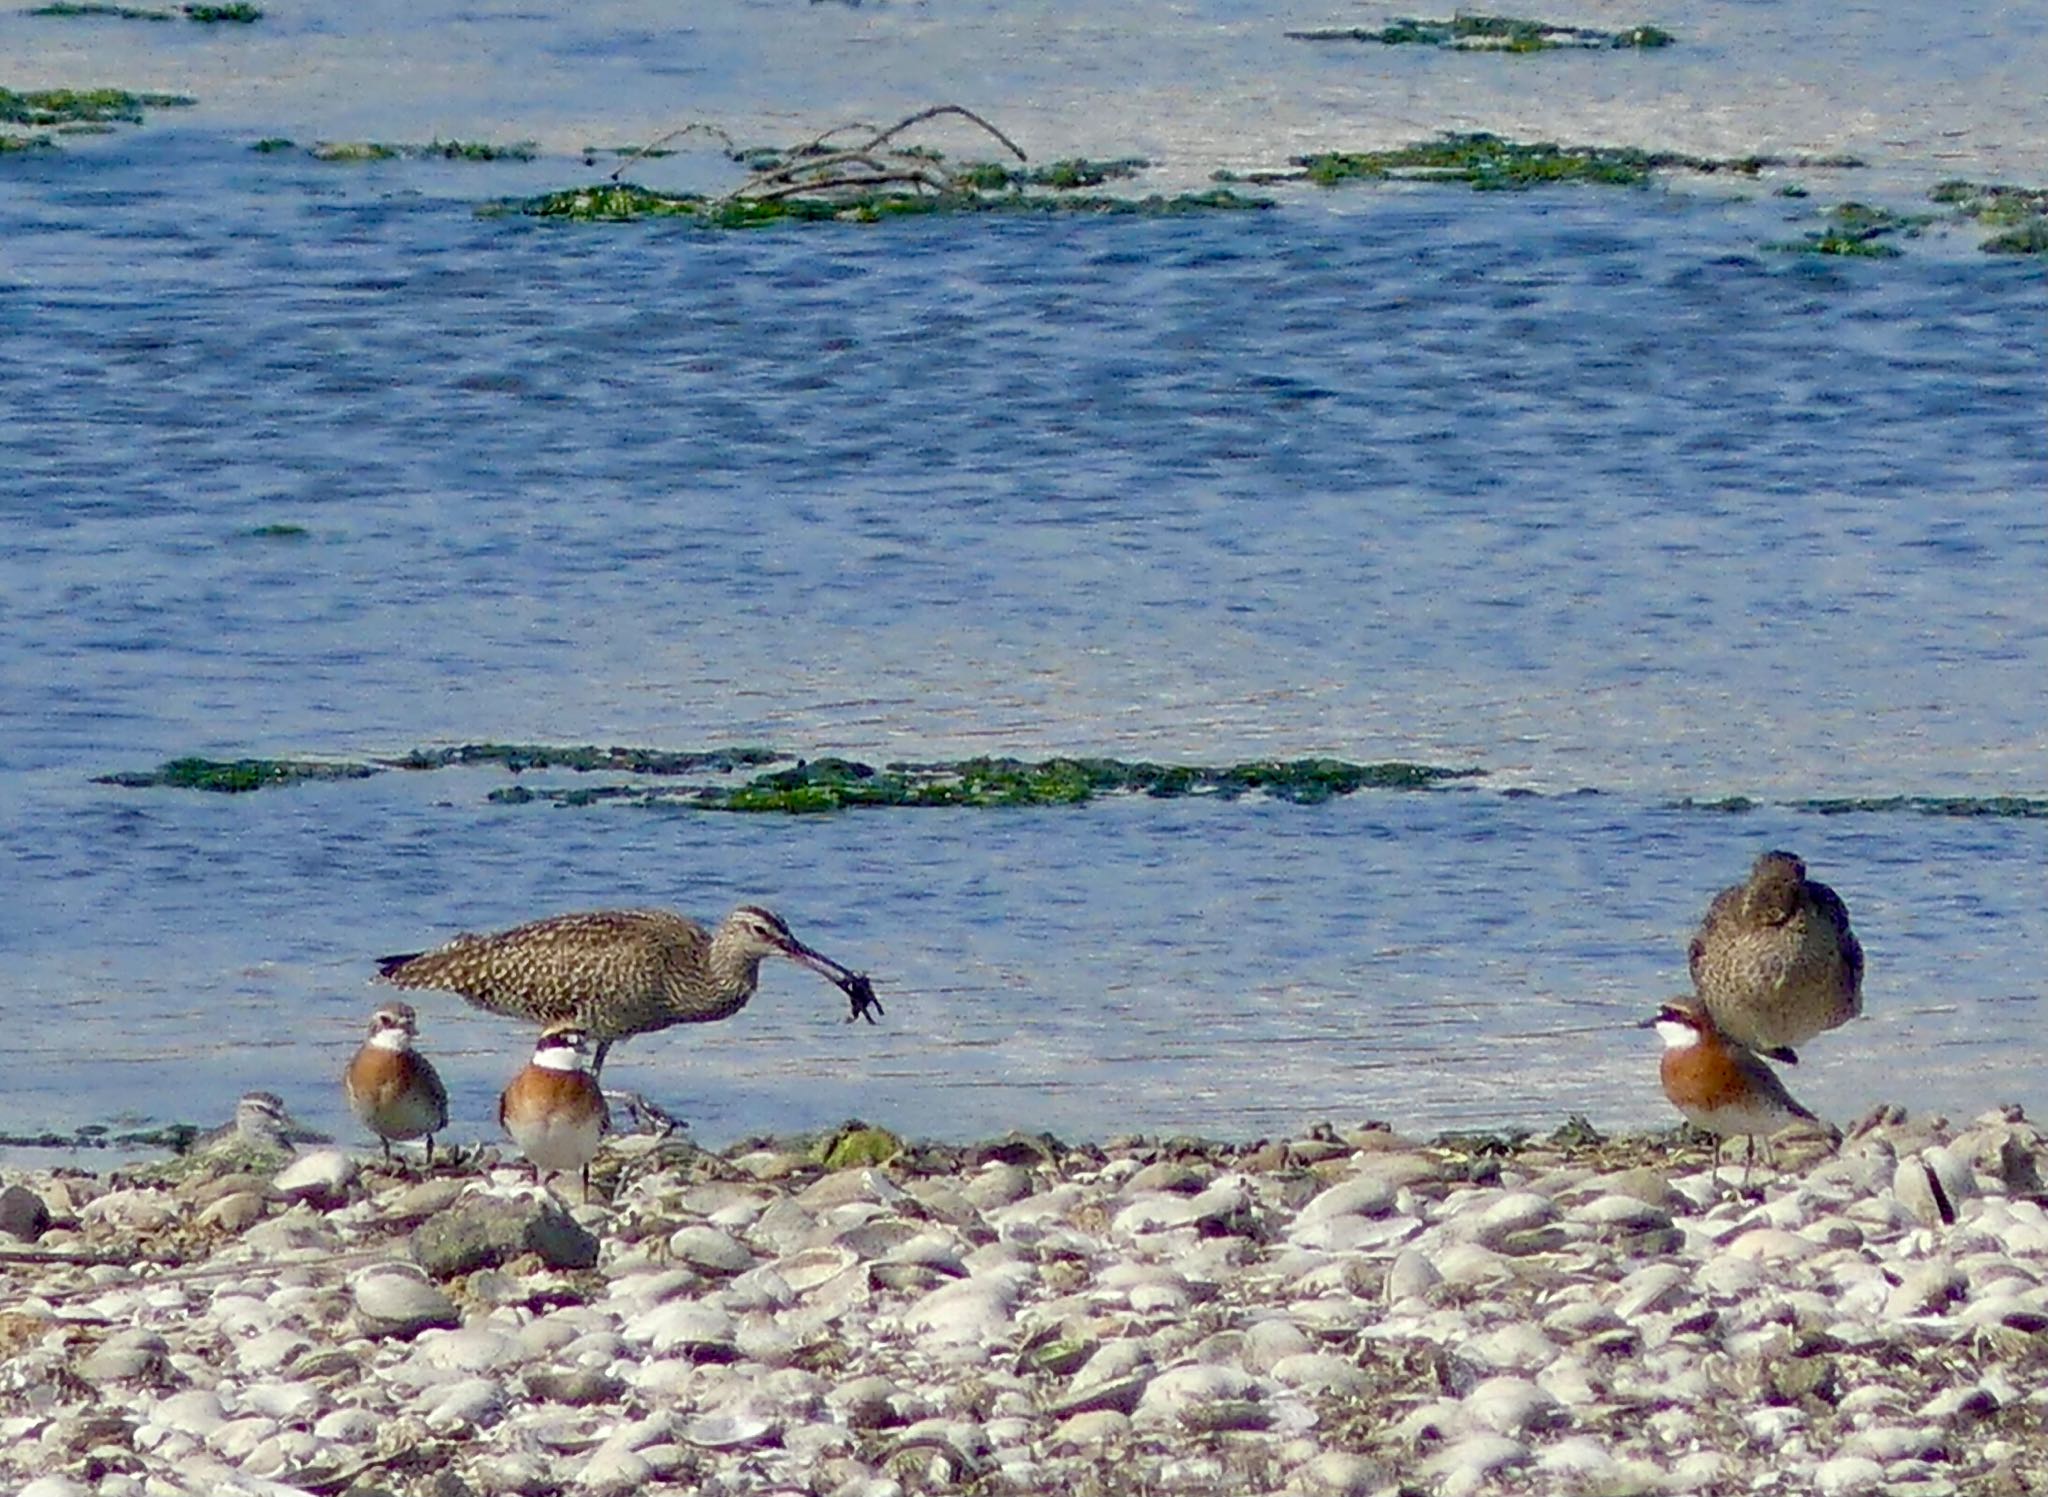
[83,106]
[620,202]
[519,757]
[2021,806]
[176,1137]
[114,12]
[240,14]
[12,143]
[2031,238]
[1070,175]
[1857,229]
[351,151]
[834,784]
[277,532]
[2020,213]
[1492,162]
[844,177]
[1729,805]
[856,1145]
[234,776]
[1484,33]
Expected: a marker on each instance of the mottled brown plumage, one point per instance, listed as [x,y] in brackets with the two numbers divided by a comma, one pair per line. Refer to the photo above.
[1774,961]
[616,973]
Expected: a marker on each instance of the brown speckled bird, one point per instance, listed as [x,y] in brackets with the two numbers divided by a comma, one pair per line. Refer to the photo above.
[393,1088]
[615,973]
[1775,962]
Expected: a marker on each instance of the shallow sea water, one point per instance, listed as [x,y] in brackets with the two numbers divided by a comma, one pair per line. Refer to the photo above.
[1580,487]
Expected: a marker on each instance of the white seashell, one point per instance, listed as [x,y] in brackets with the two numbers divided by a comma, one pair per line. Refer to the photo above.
[353,1426]
[1340,1473]
[710,1250]
[1771,1245]
[1321,1372]
[234,1440]
[1516,1347]
[1847,1474]
[1464,1467]
[1500,1219]
[284,1402]
[1511,1406]
[1468,1265]
[392,1301]
[806,1270]
[685,1327]
[1361,1195]
[1410,1276]
[473,1403]
[728,1430]
[321,1178]
[272,1350]
[195,1411]
[1267,1341]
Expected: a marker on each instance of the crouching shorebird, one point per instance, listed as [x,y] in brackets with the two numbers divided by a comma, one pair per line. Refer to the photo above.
[615,973]
[553,1109]
[261,1124]
[391,1087]
[1719,1085]
[1774,961]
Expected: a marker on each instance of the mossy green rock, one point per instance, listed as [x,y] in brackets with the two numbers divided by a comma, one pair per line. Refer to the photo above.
[859,1147]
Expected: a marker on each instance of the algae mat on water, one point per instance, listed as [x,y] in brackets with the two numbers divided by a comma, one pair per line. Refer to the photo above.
[233,14]
[823,784]
[1482,33]
[858,174]
[761,779]
[1492,162]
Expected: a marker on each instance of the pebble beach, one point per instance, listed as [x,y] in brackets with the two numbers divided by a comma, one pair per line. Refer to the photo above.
[1347,1312]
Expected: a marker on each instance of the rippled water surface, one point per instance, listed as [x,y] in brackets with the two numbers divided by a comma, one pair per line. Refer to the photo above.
[1583,488]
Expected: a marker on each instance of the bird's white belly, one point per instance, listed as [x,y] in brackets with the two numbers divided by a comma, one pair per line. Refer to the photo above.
[559,1144]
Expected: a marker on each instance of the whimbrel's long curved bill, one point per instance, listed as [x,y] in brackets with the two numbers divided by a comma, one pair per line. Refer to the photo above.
[860,992]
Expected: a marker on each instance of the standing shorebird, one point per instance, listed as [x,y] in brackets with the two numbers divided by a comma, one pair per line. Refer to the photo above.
[393,1088]
[615,973]
[1774,961]
[553,1109]
[1720,1085]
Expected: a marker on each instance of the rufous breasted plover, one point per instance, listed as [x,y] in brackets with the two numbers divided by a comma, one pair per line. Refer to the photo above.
[553,1109]
[1774,961]
[393,1088]
[1720,1086]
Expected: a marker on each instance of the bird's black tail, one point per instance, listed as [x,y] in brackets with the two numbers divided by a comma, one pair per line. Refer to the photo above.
[387,965]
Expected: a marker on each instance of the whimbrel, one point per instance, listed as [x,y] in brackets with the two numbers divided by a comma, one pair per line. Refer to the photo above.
[553,1108]
[1774,961]
[1720,1085]
[393,1088]
[616,973]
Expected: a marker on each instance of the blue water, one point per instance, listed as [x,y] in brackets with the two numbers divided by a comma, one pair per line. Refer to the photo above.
[1584,488]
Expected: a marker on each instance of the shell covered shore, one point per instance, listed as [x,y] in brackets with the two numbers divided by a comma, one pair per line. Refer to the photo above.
[1348,1312]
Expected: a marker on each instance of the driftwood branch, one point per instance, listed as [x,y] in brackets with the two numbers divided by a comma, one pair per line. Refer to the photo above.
[678,133]
[819,167]
[939,109]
